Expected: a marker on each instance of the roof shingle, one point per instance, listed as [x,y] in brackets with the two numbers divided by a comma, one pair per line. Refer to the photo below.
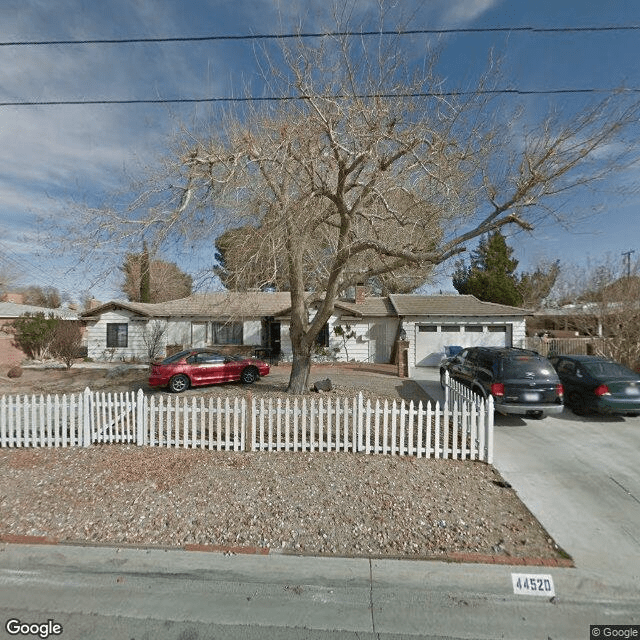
[454,305]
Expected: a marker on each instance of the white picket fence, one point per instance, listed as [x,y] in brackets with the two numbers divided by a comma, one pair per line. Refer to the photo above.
[462,429]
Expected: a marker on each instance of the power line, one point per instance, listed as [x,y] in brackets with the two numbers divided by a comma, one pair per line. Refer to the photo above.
[389,96]
[285,36]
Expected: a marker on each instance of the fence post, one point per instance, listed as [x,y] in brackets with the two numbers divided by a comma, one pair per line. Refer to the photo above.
[86,417]
[490,429]
[446,387]
[140,417]
[360,421]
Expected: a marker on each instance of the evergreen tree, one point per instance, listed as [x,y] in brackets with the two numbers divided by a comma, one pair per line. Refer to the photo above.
[491,274]
[145,275]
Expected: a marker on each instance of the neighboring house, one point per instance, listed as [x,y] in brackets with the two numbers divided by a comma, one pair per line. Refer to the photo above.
[259,321]
[9,311]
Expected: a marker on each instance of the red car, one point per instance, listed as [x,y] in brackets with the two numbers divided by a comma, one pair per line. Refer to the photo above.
[197,367]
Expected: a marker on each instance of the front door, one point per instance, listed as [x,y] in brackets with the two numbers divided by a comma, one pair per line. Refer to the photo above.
[273,338]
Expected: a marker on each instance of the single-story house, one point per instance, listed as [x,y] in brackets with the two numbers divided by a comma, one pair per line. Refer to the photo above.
[12,308]
[259,322]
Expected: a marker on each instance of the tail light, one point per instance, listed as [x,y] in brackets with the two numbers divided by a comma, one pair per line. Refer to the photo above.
[559,390]
[602,390]
[497,389]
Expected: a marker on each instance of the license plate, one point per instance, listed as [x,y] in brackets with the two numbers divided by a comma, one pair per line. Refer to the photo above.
[632,391]
[531,397]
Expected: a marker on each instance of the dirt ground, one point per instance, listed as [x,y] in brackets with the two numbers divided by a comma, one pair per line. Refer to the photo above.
[378,380]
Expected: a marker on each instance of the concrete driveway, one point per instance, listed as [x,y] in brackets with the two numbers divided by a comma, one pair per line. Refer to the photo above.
[580,477]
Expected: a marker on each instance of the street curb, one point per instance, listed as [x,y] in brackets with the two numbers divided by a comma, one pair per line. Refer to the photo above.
[454,557]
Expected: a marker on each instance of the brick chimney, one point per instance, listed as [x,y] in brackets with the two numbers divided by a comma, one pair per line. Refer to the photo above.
[93,304]
[361,291]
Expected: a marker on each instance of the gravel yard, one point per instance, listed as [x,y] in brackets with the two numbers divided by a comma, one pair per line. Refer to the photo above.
[317,503]
[321,503]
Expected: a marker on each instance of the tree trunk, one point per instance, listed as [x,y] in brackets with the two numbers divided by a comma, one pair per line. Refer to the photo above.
[300,369]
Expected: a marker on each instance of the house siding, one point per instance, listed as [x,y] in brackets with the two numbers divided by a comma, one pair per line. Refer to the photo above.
[373,341]
[178,334]
[97,337]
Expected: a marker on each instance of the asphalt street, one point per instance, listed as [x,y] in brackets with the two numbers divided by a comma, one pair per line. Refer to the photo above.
[578,476]
[100,593]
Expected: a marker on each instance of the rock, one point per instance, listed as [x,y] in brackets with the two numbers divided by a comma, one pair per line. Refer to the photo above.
[322,385]
[14,372]
[118,371]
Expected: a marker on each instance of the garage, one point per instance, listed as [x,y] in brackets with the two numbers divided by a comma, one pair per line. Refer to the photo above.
[431,339]
[432,323]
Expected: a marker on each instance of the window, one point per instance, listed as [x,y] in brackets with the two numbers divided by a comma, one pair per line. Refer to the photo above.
[497,329]
[473,328]
[567,367]
[206,358]
[117,335]
[450,328]
[226,332]
[427,328]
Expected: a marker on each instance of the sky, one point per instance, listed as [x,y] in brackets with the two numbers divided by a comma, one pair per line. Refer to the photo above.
[56,157]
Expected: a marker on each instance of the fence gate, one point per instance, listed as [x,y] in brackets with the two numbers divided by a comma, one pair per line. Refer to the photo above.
[111,417]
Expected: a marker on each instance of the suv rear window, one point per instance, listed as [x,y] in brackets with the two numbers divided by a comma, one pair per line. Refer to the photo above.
[520,365]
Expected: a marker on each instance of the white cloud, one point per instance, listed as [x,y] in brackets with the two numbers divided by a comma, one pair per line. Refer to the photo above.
[461,12]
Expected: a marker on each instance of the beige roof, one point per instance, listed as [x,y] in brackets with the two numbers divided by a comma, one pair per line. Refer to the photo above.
[226,304]
[370,307]
[414,305]
[222,304]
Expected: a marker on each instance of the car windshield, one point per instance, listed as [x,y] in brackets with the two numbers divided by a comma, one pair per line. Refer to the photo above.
[604,369]
[525,366]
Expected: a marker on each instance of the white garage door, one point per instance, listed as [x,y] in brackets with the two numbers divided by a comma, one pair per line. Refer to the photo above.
[431,339]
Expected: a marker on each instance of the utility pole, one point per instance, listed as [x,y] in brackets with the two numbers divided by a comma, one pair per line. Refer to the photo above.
[627,255]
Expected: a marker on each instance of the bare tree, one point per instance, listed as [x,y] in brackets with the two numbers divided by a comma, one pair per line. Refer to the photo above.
[535,286]
[602,302]
[153,338]
[9,276]
[165,280]
[368,171]
[48,297]
[67,341]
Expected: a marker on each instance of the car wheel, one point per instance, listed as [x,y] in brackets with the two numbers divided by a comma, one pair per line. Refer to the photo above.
[249,375]
[179,383]
[479,391]
[574,400]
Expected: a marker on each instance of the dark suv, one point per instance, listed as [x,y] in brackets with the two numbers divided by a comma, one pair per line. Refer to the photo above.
[522,382]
